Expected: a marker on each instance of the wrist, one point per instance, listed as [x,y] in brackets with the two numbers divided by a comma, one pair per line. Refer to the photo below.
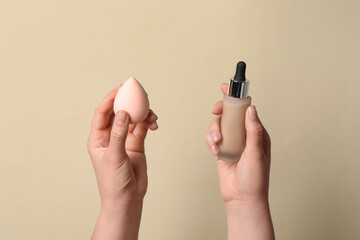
[122,205]
[247,210]
[249,220]
[119,219]
[242,205]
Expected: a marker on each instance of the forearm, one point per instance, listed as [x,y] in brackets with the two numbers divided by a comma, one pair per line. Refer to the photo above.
[249,220]
[119,221]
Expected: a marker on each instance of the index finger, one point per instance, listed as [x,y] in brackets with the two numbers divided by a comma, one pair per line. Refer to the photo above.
[103,111]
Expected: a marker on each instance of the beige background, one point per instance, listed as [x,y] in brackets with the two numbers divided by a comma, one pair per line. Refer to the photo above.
[59,58]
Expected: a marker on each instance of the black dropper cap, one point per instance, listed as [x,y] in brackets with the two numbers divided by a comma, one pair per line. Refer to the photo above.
[240,71]
[238,87]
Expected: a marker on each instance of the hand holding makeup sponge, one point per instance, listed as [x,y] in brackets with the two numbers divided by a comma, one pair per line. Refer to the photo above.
[132,99]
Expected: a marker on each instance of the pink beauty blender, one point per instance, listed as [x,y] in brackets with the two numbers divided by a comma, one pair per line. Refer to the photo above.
[132,98]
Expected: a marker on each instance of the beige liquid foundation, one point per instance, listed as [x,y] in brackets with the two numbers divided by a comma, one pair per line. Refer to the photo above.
[232,126]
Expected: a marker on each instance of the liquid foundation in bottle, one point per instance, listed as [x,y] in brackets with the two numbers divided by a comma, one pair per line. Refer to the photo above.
[232,126]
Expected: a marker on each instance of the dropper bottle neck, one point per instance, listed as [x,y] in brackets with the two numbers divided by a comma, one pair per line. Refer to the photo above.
[238,87]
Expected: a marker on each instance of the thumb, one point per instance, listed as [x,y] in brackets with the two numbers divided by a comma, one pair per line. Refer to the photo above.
[119,133]
[254,131]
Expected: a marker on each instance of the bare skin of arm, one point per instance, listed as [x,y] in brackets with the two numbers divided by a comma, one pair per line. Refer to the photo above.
[117,153]
[244,185]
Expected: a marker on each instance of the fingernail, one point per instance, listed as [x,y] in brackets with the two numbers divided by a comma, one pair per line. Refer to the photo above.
[213,149]
[121,117]
[215,136]
[252,113]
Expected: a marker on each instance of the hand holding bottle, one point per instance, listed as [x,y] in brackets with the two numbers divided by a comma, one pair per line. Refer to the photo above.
[244,184]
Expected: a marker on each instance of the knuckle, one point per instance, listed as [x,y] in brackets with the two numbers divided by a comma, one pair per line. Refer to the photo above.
[257,129]
[116,135]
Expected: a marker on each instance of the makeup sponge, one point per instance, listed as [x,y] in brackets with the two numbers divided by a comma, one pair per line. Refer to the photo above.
[132,98]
